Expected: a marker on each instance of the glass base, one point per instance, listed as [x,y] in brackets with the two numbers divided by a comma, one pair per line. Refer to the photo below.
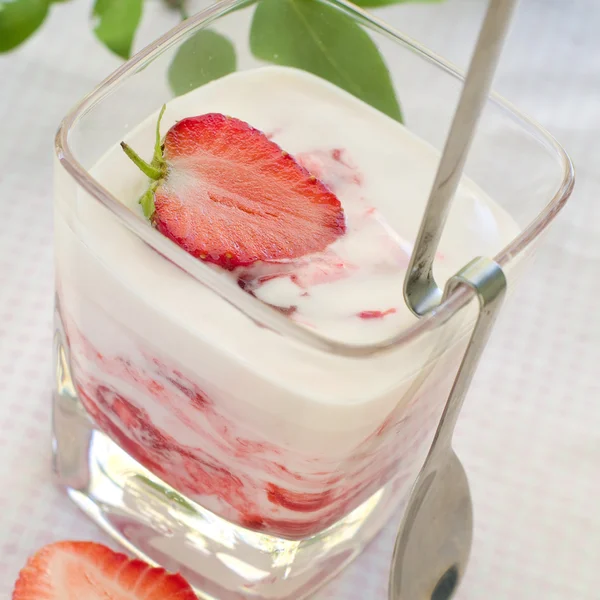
[152,520]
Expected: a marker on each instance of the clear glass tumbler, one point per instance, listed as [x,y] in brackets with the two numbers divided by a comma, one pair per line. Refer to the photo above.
[185,443]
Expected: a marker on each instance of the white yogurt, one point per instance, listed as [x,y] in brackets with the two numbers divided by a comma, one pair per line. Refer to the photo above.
[380,172]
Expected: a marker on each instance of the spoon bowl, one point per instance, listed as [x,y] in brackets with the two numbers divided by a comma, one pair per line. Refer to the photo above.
[437,528]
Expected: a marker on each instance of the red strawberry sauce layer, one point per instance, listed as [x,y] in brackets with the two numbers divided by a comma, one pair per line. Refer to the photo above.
[238,474]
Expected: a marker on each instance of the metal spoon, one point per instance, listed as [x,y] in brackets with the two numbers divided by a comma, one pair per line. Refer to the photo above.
[434,539]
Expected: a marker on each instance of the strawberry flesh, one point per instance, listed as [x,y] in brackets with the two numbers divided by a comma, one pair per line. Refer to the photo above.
[69,570]
[230,196]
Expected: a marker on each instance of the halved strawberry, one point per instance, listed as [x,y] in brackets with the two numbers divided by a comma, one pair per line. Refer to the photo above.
[228,195]
[90,571]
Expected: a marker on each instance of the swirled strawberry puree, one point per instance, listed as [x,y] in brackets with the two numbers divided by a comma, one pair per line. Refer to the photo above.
[308,200]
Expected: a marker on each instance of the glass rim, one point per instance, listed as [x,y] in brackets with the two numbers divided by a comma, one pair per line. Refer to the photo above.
[261,313]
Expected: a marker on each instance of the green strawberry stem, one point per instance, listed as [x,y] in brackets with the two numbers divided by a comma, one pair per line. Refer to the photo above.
[152,172]
[158,160]
[156,170]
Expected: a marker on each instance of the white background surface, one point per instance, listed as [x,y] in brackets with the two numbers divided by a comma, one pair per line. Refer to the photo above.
[530,431]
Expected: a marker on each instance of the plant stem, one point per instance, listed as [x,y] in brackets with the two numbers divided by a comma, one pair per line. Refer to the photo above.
[180,6]
[182,10]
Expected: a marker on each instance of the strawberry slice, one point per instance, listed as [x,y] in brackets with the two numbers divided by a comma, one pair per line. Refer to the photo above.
[228,195]
[69,570]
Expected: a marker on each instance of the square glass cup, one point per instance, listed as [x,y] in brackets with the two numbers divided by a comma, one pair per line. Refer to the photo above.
[188,439]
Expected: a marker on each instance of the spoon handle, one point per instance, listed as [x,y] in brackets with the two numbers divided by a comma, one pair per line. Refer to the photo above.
[487,280]
[420,289]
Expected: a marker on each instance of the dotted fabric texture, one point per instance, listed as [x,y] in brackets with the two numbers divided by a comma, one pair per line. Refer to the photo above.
[529,435]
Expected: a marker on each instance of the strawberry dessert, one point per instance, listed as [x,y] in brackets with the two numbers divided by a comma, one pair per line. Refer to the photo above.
[272,195]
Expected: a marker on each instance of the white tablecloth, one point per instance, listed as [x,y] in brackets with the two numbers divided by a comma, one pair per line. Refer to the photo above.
[530,431]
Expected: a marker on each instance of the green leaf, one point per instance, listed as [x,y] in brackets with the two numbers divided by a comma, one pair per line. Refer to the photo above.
[375,3]
[117,24]
[318,38]
[207,55]
[18,20]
